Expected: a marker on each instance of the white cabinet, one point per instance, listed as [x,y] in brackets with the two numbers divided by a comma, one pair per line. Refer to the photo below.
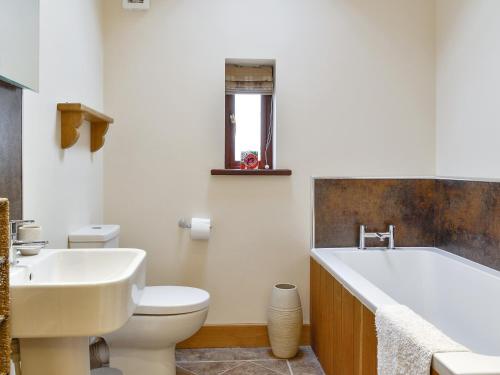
[19,41]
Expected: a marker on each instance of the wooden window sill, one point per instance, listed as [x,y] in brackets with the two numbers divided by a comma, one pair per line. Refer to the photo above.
[251,172]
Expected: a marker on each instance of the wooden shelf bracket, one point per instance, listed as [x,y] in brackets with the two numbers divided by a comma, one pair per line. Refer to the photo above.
[72,117]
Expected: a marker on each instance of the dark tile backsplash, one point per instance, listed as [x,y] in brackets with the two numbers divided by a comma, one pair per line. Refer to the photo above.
[462,217]
[11,147]
[341,205]
[468,220]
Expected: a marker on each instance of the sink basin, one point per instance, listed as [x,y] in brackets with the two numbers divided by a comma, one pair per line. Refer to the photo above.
[61,297]
[67,293]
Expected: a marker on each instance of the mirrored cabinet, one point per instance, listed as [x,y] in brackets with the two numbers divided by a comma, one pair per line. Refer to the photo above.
[19,42]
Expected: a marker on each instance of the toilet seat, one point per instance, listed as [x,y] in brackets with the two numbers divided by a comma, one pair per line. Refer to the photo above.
[172,300]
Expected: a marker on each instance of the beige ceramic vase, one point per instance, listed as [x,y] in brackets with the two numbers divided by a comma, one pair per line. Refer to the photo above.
[285,320]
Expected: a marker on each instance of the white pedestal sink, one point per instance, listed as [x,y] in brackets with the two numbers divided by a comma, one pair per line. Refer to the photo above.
[61,297]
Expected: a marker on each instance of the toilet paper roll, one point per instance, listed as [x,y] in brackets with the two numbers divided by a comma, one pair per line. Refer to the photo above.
[30,232]
[200,229]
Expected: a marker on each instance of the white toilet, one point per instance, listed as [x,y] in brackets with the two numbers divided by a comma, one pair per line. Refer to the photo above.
[165,316]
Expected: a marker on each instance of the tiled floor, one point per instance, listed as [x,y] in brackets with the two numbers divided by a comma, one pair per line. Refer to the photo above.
[243,361]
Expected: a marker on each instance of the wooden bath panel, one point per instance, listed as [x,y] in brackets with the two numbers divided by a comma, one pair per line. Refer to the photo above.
[343,332]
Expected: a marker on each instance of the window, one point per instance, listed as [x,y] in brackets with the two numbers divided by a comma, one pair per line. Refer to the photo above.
[249,114]
[247,117]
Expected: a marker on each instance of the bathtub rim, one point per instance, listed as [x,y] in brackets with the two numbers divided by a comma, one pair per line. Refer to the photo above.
[354,282]
[462,363]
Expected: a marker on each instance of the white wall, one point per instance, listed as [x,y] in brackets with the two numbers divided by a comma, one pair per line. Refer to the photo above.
[355,96]
[468,88]
[63,189]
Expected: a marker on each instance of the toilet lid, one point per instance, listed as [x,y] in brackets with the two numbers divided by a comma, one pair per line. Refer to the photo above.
[171,300]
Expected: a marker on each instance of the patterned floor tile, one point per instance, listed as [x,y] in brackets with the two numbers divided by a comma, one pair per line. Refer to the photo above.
[249,368]
[279,366]
[224,354]
[207,368]
[245,361]
[305,363]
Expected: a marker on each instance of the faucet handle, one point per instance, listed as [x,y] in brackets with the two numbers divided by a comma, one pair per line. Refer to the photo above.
[20,222]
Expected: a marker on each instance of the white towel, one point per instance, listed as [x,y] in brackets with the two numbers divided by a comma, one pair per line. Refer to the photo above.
[406,342]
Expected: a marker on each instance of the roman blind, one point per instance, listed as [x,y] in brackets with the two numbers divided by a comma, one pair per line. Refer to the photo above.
[249,79]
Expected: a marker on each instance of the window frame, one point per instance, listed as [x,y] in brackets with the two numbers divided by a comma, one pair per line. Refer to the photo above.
[266,124]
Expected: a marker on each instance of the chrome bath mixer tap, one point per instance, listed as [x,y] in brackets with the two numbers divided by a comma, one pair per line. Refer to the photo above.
[382,236]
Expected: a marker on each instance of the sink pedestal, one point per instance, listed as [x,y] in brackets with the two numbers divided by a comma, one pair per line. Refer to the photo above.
[55,356]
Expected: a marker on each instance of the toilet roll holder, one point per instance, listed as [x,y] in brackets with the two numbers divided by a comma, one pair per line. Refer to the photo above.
[186,224]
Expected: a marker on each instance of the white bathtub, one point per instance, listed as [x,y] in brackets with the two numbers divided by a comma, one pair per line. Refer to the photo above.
[460,297]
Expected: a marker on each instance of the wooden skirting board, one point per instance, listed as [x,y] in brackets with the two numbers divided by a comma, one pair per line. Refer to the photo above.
[235,336]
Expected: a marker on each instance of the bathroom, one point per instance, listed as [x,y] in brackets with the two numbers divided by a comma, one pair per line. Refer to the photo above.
[119,114]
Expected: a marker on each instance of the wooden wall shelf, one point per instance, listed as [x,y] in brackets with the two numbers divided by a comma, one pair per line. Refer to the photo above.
[72,117]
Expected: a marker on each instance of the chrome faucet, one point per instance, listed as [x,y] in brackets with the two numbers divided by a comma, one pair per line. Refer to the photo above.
[382,236]
[14,226]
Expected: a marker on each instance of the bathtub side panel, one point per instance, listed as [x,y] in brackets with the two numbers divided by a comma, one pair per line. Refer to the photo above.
[343,330]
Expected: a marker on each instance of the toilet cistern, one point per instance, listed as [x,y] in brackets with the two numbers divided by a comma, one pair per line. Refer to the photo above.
[95,236]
